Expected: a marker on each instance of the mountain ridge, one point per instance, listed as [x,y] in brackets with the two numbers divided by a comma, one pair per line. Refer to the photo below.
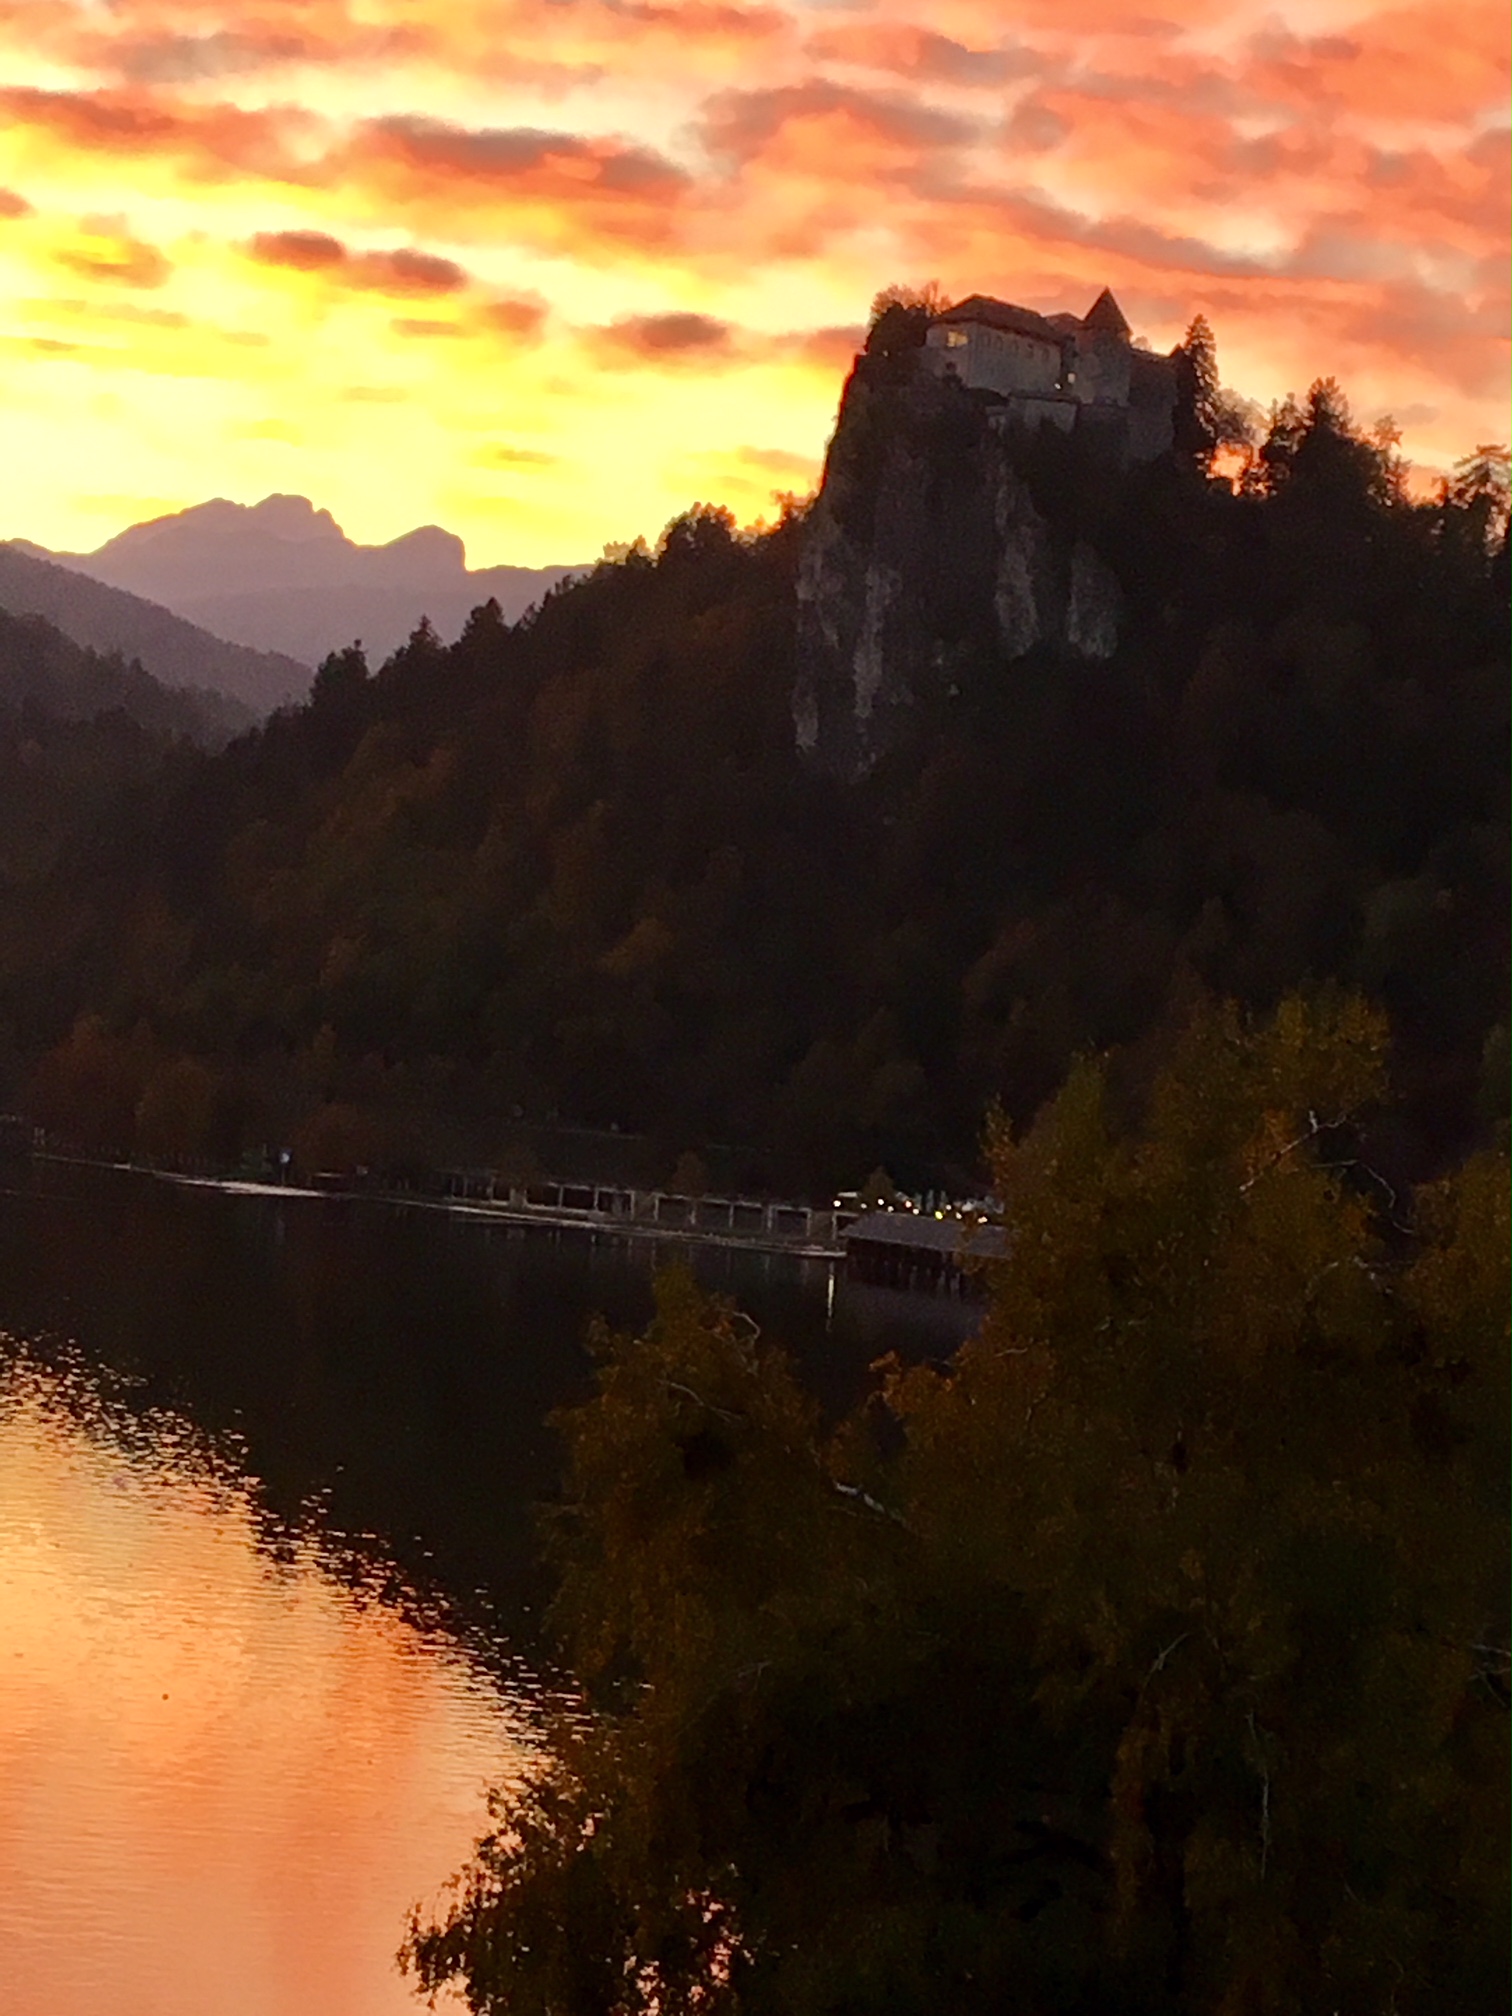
[282,576]
[177,652]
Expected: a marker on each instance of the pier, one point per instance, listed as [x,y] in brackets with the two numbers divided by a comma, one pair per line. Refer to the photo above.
[911,1249]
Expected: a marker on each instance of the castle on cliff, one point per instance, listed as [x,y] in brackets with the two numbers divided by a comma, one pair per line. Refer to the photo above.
[1064,371]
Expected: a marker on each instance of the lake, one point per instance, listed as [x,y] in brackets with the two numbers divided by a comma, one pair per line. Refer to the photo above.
[268,1584]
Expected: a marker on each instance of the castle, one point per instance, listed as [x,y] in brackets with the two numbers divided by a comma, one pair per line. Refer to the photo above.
[1060,371]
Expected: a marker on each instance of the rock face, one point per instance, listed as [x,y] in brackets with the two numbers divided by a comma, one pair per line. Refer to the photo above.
[925,549]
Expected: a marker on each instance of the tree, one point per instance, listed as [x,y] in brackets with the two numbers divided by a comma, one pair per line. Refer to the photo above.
[1148,1657]
[1197,394]
[900,317]
[1479,490]
[176,1112]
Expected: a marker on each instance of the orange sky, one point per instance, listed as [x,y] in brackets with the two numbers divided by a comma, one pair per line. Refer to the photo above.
[547,271]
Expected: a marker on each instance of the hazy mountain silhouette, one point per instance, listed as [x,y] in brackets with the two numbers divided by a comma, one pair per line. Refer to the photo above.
[283,576]
[45,673]
[108,619]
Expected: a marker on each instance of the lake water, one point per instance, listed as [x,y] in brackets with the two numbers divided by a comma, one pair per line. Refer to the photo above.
[268,1588]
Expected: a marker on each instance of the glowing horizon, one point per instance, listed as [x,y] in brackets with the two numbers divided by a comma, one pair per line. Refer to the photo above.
[548,273]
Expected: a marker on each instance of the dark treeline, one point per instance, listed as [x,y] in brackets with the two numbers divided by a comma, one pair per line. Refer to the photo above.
[575,869]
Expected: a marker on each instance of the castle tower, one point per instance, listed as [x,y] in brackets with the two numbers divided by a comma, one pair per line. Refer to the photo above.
[1103,352]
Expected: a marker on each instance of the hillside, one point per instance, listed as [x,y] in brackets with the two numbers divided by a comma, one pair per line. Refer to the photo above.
[108,620]
[45,674]
[281,576]
[595,868]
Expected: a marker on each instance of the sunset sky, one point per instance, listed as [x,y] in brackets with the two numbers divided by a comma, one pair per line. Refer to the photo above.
[547,271]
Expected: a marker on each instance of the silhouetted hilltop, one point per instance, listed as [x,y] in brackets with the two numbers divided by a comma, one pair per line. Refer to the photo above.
[283,576]
[108,620]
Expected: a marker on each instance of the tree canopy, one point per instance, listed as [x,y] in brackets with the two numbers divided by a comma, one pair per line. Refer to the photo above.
[1150,1656]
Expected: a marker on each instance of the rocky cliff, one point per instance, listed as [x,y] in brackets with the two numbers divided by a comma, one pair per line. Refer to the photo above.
[925,552]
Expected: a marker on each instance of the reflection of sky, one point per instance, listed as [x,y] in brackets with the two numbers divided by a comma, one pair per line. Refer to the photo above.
[224,1779]
[648,229]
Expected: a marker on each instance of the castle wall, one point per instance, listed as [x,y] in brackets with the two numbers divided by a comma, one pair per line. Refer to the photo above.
[1025,409]
[993,360]
[1101,368]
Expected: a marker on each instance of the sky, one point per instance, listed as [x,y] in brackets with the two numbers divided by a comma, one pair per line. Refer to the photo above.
[547,272]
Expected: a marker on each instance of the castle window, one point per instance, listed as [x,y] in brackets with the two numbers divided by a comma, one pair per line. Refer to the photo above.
[956,339]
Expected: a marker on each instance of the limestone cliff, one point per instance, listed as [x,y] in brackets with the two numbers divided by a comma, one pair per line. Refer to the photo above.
[925,548]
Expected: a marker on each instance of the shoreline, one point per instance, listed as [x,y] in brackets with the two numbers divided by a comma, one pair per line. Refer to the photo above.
[526,1217]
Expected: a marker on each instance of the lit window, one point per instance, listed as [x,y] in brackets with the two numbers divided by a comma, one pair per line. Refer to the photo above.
[956,339]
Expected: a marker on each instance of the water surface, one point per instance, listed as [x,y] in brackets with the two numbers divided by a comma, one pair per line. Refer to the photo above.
[269,1587]
[227,1768]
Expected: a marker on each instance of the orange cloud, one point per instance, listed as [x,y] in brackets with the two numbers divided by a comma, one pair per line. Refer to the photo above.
[709,194]
[908,50]
[115,257]
[209,141]
[832,127]
[560,189]
[403,271]
[679,337]
[512,317]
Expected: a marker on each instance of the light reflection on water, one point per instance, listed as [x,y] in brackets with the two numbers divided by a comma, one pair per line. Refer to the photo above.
[227,1771]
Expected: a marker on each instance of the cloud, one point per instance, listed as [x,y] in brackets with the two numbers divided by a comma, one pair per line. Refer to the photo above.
[403,271]
[830,349]
[304,251]
[904,50]
[425,326]
[251,48]
[778,462]
[209,141]
[13,205]
[124,313]
[1333,196]
[571,189]
[500,455]
[120,259]
[1410,62]
[677,337]
[830,126]
[512,316]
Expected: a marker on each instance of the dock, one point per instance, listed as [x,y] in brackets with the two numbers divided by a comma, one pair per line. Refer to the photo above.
[911,1249]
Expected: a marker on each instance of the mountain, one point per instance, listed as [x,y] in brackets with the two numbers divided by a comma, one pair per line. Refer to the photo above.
[177,653]
[45,673]
[283,576]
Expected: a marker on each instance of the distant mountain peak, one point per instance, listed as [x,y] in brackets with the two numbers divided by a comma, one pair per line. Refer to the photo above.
[289,517]
[281,575]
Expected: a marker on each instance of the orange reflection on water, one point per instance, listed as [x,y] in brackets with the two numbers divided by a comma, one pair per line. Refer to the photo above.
[224,1778]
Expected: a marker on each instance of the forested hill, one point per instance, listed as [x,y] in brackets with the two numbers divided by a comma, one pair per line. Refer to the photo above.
[110,621]
[580,868]
[47,676]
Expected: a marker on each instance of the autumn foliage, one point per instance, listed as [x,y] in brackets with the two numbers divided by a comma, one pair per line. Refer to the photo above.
[1150,1656]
